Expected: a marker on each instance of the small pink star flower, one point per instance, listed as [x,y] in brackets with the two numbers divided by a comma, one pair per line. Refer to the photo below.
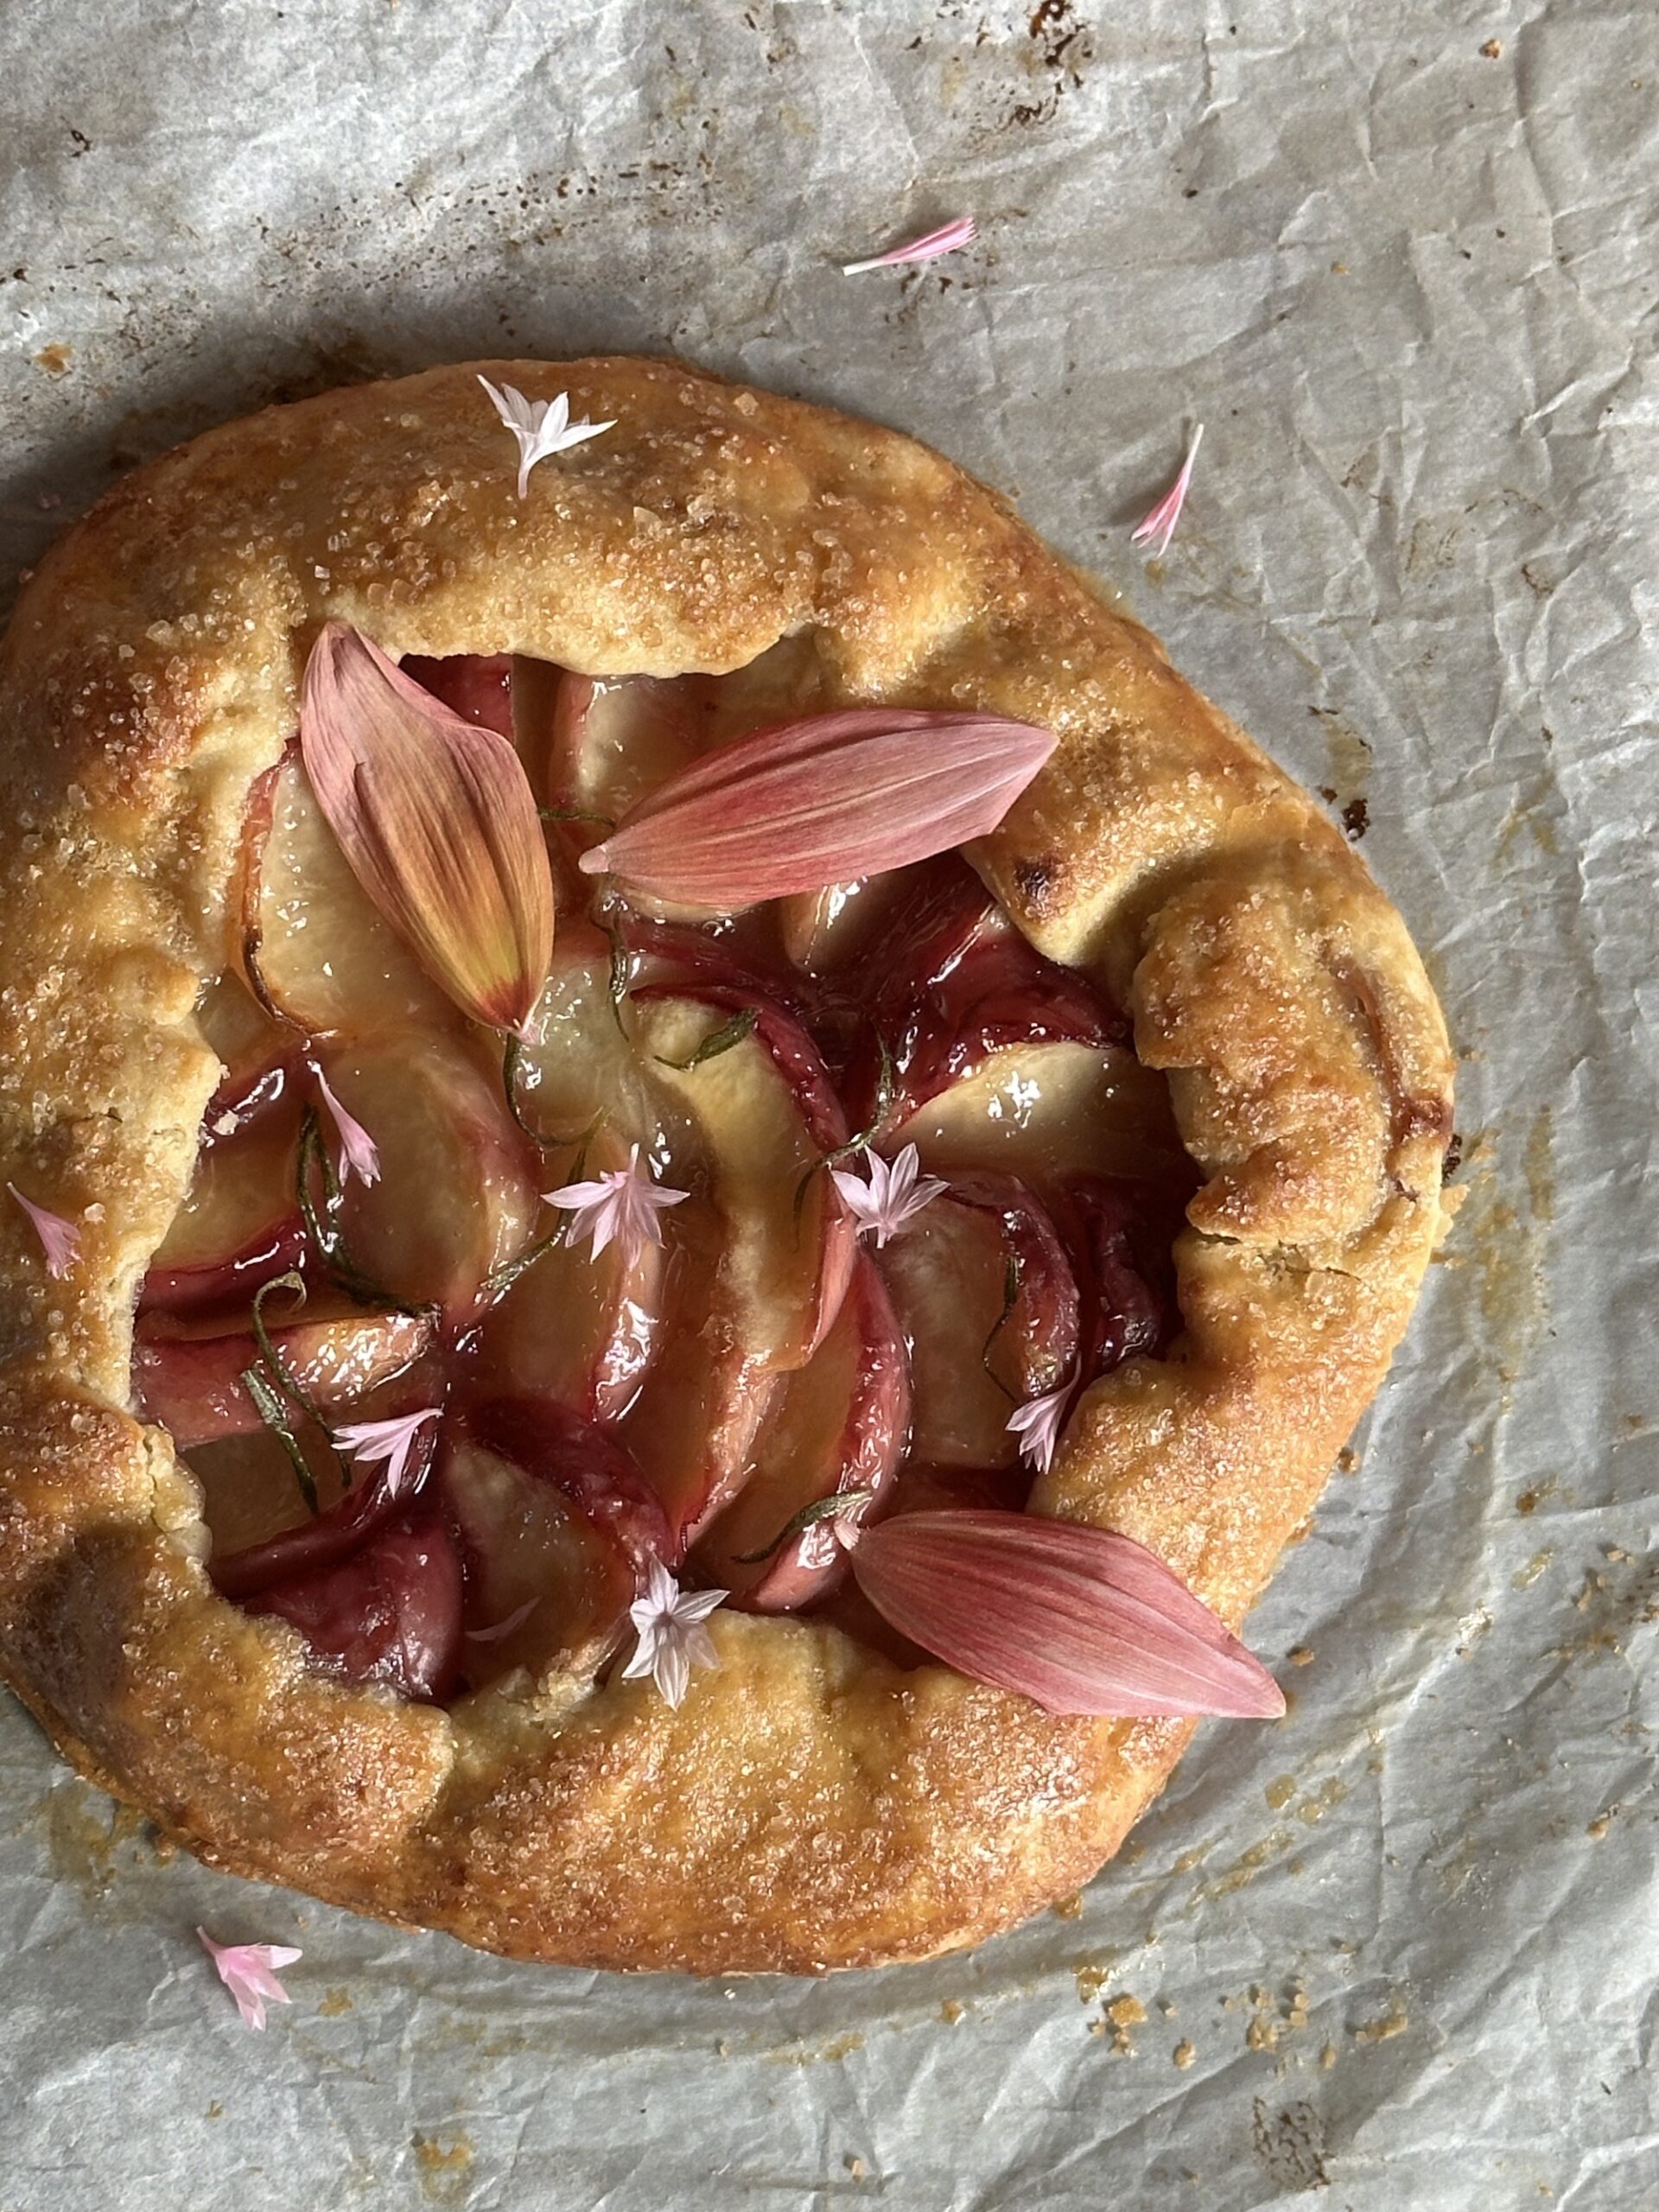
[1159,522]
[542,427]
[249,1972]
[1037,1424]
[391,1439]
[893,1195]
[672,1639]
[60,1239]
[622,1204]
[929,247]
[360,1154]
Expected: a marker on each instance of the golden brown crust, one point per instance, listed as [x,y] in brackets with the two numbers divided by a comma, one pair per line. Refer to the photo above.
[808,1807]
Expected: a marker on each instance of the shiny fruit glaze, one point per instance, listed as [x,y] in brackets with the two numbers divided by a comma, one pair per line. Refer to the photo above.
[680,1402]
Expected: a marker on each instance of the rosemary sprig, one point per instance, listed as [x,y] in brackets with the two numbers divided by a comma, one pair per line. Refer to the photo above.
[821,1509]
[1010,1294]
[507,1274]
[281,1374]
[884,1090]
[575,814]
[621,969]
[716,1042]
[271,1408]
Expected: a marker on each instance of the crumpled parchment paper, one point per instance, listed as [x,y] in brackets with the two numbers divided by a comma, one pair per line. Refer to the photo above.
[1403,1948]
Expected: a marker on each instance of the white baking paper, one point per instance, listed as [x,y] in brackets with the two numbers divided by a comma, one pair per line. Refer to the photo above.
[1400,259]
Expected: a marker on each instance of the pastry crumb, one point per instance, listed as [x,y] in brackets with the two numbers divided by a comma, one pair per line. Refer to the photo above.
[950,2011]
[1493,49]
[1182,2054]
[1299,1656]
[1599,1826]
[1393,2023]
[1125,2012]
[1068,1908]
[856,2166]
[1328,2058]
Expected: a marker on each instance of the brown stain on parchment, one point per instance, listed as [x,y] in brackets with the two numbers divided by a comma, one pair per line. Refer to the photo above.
[444,2166]
[804,2053]
[1290,2146]
[83,1830]
[1506,1237]
[1349,772]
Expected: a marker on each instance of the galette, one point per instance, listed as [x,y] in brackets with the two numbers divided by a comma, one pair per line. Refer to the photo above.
[699,1174]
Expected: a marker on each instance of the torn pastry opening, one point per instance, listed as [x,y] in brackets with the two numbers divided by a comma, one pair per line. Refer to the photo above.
[484,1312]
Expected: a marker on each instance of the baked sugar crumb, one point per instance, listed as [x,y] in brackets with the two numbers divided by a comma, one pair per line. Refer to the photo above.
[1393,2022]
[1328,2058]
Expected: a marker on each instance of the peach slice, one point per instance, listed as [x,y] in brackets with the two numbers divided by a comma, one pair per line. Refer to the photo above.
[314,948]
[476,686]
[614,739]
[189,1376]
[693,1429]
[579,1062]
[264,1530]
[458,1189]
[239,1223]
[840,1425]
[997,993]
[557,1526]
[258,1056]
[765,1114]
[389,1612]
[541,1586]
[975,1352]
[1049,1111]
[1120,1237]
[576,1328]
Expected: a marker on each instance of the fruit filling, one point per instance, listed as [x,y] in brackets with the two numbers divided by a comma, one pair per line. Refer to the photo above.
[512,1282]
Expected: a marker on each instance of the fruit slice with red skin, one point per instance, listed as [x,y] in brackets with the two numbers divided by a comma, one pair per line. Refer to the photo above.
[188,1376]
[263,1528]
[459,1187]
[259,1056]
[1120,1239]
[941,911]
[998,992]
[389,1612]
[579,1329]
[314,947]
[240,1224]
[579,1062]
[555,1515]
[734,956]
[841,1423]
[765,1114]
[541,1583]
[1047,1112]
[476,686]
[840,932]
[975,1356]
[785,1039]
[703,1402]
[615,739]
[597,1477]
